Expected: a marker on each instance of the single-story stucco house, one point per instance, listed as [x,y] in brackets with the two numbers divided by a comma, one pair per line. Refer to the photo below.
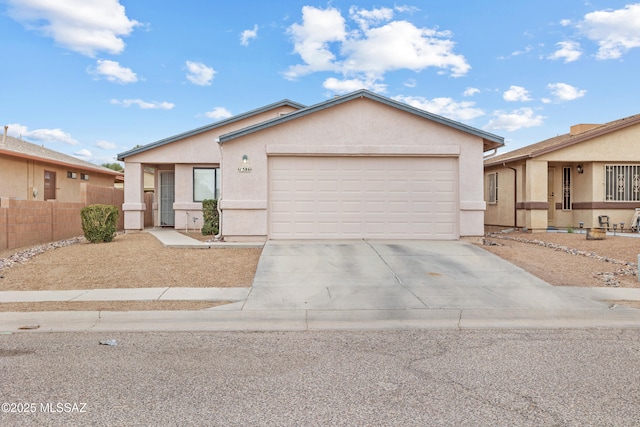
[589,177]
[355,166]
[32,172]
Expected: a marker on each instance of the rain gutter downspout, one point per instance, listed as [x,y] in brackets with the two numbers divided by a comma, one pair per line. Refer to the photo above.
[515,194]
[218,237]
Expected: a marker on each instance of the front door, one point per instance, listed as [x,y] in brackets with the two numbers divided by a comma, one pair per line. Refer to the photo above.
[167,198]
[551,198]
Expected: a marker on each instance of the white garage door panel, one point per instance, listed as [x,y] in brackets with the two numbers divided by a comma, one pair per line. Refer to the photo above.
[363,197]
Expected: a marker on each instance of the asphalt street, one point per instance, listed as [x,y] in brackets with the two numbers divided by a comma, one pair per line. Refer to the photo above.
[559,377]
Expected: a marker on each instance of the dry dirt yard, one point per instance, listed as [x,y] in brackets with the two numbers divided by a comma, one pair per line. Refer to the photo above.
[139,260]
[131,260]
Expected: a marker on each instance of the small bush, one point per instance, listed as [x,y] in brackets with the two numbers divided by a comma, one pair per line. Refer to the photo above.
[210,217]
[99,223]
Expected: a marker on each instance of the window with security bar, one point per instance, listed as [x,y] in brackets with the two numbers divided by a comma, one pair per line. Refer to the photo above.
[492,183]
[566,189]
[622,183]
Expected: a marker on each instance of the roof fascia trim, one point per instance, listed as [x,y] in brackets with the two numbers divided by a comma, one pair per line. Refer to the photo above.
[220,123]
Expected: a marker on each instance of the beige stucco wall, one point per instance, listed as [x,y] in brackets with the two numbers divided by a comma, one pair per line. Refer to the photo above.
[19,177]
[357,127]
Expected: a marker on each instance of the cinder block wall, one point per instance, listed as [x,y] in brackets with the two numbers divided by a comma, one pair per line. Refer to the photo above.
[29,222]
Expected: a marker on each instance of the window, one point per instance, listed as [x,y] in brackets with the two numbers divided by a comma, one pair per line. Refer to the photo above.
[566,189]
[84,177]
[71,175]
[49,185]
[205,184]
[622,183]
[492,180]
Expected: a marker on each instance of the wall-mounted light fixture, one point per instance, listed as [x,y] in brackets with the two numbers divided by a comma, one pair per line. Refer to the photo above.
[579,169]
[246,167]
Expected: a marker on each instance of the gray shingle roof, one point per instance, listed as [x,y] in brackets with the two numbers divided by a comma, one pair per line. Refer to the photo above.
[20,148]
[561,141]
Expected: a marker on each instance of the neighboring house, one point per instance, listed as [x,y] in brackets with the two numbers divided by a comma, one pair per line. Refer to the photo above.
[355,166]
[33,172]
[583,178]
[149,180]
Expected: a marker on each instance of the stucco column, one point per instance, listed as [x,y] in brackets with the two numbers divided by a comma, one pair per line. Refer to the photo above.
[472,205]
[134,206]
[536,197]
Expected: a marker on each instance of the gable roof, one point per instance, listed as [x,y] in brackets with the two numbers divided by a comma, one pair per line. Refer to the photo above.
[19,148]
[561,141]
[220,123]
[490,140]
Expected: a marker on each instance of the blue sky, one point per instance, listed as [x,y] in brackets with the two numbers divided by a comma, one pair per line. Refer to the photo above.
[94,78]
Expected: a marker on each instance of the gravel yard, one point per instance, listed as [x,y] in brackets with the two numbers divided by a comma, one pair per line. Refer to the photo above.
[569,259]
[132,260]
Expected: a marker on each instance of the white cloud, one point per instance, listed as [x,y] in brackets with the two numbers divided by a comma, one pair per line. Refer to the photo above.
[218,113]
[615,31]
[350,85]
[145,105]
[105,145]
[114,72]
[40,135]
[83,26]
[411,83]
[406,9]
[311,40]
[527,49]
[516,93]
[565,92]
[377,46]
[446,107]
[199,74]
[470,91]
[569,51]
[514,120]
[247,35]
[402,45]
[365,18]
[84,154]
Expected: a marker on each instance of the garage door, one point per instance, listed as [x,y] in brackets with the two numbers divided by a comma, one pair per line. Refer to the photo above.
[363,197]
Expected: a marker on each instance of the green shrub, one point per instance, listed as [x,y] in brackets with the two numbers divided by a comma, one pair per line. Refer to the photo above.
[99,222]
[210,217]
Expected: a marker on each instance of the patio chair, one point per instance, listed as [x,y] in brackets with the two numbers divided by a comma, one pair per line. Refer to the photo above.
[634,221]
[604,221]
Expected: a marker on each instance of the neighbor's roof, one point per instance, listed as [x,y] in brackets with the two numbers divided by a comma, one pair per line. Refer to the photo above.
[209,127]
[561,141]
[20,148]
[491,141]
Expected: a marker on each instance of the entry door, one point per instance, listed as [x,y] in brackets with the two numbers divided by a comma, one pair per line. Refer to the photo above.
[167,198]
[49,185]
[551,198]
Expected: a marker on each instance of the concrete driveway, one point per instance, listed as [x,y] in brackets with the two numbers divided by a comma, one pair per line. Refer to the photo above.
[392,275]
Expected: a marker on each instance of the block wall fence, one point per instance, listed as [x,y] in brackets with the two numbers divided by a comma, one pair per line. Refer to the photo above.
[33,222]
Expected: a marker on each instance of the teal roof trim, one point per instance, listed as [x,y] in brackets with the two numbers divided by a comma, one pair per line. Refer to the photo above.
[209,127]
[362,94]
